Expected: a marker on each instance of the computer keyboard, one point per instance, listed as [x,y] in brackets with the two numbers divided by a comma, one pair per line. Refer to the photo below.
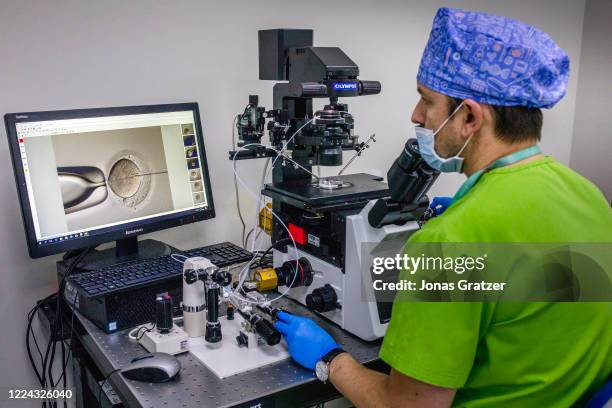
[138,273]
[222,254]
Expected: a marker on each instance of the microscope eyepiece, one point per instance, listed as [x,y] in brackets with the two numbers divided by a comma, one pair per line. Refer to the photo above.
[409,178]
[409,174]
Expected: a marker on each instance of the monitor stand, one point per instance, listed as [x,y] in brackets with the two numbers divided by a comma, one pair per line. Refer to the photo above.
[126,249]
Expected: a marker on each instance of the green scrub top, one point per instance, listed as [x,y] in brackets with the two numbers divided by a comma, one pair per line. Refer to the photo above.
[511,354]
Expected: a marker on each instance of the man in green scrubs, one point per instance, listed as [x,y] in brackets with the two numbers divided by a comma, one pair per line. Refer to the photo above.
[482,81]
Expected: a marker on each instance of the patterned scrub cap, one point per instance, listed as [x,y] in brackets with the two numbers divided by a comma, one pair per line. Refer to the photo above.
[494,60]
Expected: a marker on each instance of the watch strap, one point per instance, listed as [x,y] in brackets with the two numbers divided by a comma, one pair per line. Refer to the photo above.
[327,358]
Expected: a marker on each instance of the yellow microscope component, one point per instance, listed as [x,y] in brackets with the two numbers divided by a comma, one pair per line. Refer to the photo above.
[266,279]
[265,218]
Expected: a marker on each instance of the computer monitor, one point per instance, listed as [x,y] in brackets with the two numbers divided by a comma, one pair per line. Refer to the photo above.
[91,176]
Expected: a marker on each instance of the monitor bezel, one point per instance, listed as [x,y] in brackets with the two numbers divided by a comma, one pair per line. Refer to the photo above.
[117,232]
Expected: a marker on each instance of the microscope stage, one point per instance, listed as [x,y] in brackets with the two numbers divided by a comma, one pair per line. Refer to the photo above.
[359,187]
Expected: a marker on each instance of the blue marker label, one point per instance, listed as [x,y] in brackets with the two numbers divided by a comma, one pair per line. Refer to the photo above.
[112,326]
[345,86]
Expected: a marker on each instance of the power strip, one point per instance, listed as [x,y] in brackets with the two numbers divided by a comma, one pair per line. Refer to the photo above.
[173,342]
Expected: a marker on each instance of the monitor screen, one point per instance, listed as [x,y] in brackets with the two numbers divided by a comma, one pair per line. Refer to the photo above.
[104,174]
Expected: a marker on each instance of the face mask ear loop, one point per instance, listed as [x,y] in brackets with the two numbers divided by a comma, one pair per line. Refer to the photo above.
[464,146]
[449,118]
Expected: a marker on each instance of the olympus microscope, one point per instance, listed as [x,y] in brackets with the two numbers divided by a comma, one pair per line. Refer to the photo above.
[337,223]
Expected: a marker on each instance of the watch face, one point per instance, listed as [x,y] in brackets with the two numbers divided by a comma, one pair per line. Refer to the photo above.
[322,371]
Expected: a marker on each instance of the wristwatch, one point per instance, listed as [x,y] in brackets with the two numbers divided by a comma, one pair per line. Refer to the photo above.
[322,367]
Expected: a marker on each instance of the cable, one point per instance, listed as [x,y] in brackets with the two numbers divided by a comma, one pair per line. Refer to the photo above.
[277,243]
[31,315]
[234,124]
[30,331]
[259,231]
[257,227]
[63,376]
[65,360]
[264,173]
[245,110]
[245,242]
[60,330]
[135,334]
[285,157]
[70,349]
[58,326]
[102,386]
[46,375]
[146,330]
[243,274]
[262,263]
[174,256]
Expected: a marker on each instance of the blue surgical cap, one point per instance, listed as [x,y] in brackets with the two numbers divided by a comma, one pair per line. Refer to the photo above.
[494,60]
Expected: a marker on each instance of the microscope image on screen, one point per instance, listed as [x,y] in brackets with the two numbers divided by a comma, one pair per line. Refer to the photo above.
[109,176]
[87,186]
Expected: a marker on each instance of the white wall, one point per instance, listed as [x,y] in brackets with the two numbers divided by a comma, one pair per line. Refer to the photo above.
[592,143]
[78,54]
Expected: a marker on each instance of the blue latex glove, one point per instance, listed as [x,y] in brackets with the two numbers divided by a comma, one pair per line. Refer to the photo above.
[440,204]
[308,342]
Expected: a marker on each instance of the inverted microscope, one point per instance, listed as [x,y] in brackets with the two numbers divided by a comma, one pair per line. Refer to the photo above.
[337,223]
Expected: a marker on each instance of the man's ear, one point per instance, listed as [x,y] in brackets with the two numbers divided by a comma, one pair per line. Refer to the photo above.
[474,118]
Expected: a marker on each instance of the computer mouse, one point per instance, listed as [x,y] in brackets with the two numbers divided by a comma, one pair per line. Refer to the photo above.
[154,367]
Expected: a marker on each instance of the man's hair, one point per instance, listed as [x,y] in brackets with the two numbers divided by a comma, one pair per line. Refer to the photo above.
[512,123]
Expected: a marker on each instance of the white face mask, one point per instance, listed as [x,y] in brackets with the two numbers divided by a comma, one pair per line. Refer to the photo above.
[426,139]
